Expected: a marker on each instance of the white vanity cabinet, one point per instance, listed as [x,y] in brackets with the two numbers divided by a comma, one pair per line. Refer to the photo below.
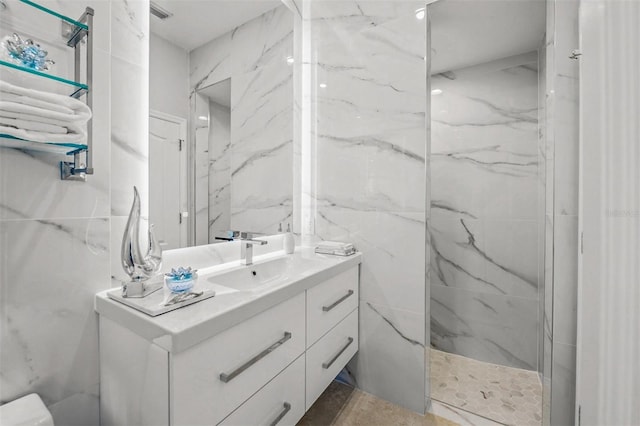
[267,369]
[211,379]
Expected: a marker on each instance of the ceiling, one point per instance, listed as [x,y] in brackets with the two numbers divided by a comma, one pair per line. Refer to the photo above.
[464,32]
[470,32]
[195,22]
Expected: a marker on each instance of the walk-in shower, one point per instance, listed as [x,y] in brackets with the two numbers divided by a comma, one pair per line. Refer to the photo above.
[487,208]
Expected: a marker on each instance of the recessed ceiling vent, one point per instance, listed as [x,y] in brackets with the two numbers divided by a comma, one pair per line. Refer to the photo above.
[159,12]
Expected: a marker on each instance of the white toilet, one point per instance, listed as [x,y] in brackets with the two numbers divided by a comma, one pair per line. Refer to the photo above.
[26,411]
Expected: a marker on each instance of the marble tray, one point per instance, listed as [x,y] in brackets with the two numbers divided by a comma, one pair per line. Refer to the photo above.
[154,304]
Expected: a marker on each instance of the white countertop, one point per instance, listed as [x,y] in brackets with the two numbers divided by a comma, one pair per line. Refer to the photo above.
[178,330]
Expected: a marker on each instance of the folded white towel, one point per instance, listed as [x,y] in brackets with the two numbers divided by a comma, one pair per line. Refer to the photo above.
[32,125]
[26,100]
[41,116]
[78,138]
[78,107]
[71,127]
[336,248]
[79,116]
[334,245]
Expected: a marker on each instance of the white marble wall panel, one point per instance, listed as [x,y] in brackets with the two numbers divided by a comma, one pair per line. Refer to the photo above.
[484,132]
[485,212]
[390,363]
[263,41]
[367,147]
[50,270]
[129,143]
[485,256]
[219,170]
[492,328]
[129,118]
[392,242]
[130,31]
[210,63]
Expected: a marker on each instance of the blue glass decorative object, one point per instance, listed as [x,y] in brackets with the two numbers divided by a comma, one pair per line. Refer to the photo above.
[27,53]
[180,280]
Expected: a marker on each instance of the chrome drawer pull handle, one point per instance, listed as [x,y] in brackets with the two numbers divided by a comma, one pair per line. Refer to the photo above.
[226,378]
[283,413]
[337,302]
[328,364]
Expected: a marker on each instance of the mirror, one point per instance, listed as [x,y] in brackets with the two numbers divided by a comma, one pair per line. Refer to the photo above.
[221,119]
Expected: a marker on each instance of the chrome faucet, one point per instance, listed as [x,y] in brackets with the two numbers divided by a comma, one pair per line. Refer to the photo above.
[246,247]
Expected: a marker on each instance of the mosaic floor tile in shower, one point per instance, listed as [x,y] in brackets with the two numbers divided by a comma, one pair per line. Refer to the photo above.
[506,395]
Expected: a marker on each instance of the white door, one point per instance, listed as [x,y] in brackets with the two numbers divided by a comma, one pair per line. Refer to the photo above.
[168,180]
[608,369]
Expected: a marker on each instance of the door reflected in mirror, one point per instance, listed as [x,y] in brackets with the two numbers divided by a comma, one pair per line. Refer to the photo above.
[220,80]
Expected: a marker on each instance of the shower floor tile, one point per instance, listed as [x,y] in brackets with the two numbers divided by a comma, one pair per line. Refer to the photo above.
[506,395]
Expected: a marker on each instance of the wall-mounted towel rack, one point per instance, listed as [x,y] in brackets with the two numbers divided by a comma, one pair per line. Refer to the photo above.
[73,33]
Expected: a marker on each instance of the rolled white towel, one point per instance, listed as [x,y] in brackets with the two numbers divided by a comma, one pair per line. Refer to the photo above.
[71,127]
[78,107]
[79,116]
[32,125]
[26,100]
[79,138]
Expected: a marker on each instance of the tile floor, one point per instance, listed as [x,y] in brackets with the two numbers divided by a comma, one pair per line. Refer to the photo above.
[342,405]
[457,415]
[509,396]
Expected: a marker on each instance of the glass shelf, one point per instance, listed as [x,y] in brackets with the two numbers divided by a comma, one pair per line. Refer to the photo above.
[8,141]
[69,42]
[73,22]
[77,85]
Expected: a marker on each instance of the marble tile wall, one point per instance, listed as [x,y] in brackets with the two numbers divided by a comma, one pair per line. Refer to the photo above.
[364,165]
[60,240]
[261,149]
[484,209]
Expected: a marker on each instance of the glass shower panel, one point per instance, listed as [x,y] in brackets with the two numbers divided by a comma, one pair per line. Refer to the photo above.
[486,225]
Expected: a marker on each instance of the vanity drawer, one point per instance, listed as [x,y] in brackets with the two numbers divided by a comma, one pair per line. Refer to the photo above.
[280,402]
[329,355]
[213,378]
[328,303]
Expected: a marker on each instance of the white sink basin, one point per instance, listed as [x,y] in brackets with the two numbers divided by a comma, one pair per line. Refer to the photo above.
[269,273]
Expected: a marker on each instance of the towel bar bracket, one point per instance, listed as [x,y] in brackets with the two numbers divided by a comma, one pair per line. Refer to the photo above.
[77,169]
